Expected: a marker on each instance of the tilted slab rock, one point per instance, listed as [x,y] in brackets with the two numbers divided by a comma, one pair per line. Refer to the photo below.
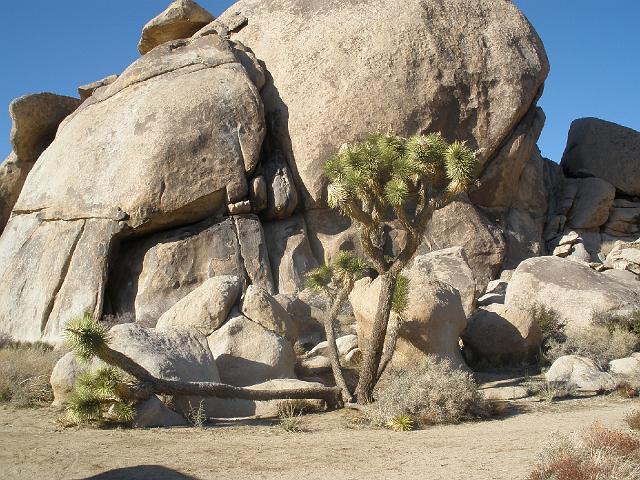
[404,68]
[206,308]
[571,288]
[181,19]
[605,150]
[289,253]
[134,152]
[461,224]
[50,272]
[262,308]
[85,91]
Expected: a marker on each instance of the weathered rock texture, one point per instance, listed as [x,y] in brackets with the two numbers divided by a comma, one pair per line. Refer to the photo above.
[571,288]
[417,68]
[133,159]
[432,323]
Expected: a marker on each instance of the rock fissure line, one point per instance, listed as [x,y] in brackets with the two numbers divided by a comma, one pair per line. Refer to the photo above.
[63,276]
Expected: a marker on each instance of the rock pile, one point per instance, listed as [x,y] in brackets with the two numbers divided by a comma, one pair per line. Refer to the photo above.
[186,193]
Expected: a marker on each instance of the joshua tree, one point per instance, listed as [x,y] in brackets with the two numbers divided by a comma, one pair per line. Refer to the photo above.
[109,389]
[389,177]
[336,280]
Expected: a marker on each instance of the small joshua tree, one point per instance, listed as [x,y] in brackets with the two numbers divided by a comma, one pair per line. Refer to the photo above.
[337,280]
[386,177]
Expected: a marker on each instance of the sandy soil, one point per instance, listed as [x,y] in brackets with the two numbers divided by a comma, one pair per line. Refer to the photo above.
[34,446]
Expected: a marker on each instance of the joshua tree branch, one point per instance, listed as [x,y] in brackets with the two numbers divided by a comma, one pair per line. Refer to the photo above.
[151,384]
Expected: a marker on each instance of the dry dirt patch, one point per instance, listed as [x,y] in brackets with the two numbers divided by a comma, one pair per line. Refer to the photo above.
[34,446]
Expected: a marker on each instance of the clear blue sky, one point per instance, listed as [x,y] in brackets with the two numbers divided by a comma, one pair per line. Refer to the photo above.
[593,45]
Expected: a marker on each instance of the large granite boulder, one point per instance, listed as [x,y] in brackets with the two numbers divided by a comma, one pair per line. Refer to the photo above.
[432,323]
[258,305]
[581,373]
[592,202]
[132,152]
[405,68]
[605,150]
[173,354]
[181,19]
[449,266]
[497,334]
[132,159]
[247,353]
[571,288]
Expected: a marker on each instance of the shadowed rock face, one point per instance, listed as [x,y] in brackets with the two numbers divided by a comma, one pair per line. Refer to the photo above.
[340,69]
[605,150]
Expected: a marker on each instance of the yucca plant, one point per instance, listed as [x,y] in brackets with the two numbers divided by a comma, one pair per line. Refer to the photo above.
[388,177]
[101,397]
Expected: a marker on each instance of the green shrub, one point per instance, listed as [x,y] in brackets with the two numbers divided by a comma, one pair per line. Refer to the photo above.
[25,369]
[549,322]
[616,318]
[430,393]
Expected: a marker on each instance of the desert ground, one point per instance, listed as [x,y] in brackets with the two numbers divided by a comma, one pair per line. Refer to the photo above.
[34,445]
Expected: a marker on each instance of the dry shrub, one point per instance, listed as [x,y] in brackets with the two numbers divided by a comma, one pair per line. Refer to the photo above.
[431,393]
[596,342]
[25,370]
[633,420]
[600,454]
[290,417]
[296,407]
[625,390]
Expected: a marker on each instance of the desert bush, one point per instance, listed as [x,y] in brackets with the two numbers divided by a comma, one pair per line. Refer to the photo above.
[197,416]
[290,418]
[599,454]
[550,323]
[430,393]
[552,391]
[596,342]
[616,318]
[625,390]
[297,407]
[633,419]
[25,369]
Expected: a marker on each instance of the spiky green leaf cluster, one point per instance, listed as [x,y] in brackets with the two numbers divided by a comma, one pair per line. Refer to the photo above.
[96,398]
[319,279]
[344,267]
[85,335]
[389,166]
[400,299]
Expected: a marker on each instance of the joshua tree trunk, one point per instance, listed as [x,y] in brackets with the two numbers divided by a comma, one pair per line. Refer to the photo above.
[373,354]
[329,329]
[153,385]
[390,344]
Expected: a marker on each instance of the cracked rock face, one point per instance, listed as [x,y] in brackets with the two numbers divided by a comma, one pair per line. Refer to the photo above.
[169,143]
